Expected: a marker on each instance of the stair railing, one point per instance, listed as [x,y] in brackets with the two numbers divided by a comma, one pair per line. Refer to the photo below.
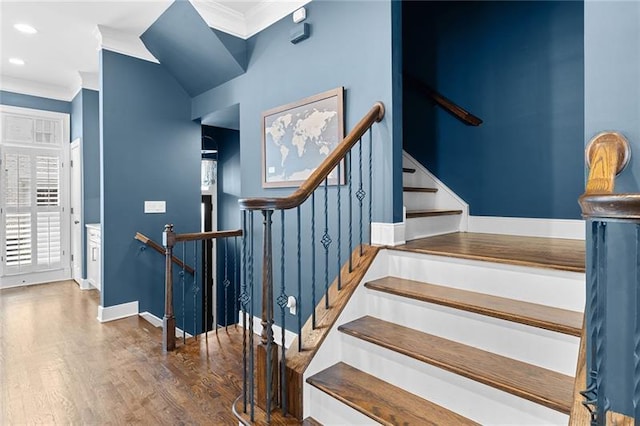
[204,251]
[607,155]
[343,166]
[447,104]
[158,248]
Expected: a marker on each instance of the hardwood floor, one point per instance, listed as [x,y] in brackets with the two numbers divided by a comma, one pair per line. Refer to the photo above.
[554,253]
[59,365]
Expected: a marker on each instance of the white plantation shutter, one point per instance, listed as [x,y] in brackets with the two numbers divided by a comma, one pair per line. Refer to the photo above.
[33,217]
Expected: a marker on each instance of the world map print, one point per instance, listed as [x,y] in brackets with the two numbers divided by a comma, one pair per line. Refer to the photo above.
[299,139]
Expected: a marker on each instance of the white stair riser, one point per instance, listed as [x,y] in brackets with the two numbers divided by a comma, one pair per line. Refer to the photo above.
[471,399]
[543,348]
[330,412]
[549,287]
[420,200]
[421,227]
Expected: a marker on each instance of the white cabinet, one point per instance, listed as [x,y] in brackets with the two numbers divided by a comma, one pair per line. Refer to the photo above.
[94,269]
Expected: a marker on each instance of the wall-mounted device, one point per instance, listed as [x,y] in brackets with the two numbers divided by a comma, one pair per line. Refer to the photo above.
[299,33]
[299,15]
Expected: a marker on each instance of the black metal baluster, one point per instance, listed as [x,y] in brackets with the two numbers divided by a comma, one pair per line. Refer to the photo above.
[282,302]
[590,393]
[243,303]
[184,293]
[326,242]
[236,284]
[360,194]
[299,311]
[205,284]
[600,324]
[226,283]
[251,350]
[349,165]
[370,180]
[339,183]
[636,382]
[195,289]
[313,260]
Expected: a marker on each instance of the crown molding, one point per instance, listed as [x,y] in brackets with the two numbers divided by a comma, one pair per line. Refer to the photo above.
[89,80]
[221,17]
[256,19]
[35,88]
[268,12]
[120,42]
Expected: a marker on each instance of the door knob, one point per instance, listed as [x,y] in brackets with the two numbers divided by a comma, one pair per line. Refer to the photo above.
[76,222]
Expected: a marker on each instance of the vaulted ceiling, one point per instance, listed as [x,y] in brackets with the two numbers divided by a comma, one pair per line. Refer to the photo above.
[62,56]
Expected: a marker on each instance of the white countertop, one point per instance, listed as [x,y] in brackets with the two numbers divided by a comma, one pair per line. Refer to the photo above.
[96,226]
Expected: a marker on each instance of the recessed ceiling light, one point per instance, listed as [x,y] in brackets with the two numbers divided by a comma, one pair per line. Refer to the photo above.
[16,61]
[25,28]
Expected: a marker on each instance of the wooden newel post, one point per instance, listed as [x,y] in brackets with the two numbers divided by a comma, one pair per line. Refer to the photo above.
[168,321]
[267,350]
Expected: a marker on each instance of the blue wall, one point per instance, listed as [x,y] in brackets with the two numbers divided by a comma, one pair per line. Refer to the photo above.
[34,102]
[86,126]
[519,66]
[150,150]
[228,145]
[612,102]
[350,46]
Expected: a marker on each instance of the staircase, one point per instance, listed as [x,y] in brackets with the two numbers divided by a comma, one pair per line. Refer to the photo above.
[449,330]
[431,207]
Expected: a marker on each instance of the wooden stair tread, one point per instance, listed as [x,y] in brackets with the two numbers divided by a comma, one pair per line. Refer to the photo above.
[537,384]
[553,253]
[310,421]
[431,212]
[408,170]
[533,314]
[419,189]
[381,401]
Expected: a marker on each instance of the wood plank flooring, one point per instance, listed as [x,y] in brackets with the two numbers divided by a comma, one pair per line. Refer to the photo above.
[59,365]
[554,253]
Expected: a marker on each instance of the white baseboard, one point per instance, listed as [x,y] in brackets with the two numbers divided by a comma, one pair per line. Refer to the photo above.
[529,227]
[35,278]
[157,322]
[289,336]
[123,310]
[85,284]
[387,234]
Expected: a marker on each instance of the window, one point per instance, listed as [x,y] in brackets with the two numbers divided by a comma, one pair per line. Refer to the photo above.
[32,193]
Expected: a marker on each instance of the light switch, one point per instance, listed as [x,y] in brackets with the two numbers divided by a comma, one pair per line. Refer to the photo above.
[155,206]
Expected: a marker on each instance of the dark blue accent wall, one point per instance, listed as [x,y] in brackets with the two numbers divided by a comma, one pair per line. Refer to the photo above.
[350,46]
[519,66]
[612,102]
[150,150]
[34,102]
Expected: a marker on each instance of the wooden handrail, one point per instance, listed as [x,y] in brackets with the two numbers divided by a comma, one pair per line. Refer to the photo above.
[157,247]
[376,114]
[607,155]
[448,105]
[207,235]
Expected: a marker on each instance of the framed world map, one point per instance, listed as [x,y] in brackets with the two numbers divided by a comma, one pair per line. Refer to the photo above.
[297,137]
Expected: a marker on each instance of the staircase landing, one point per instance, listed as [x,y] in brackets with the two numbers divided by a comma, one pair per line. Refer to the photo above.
[552,253]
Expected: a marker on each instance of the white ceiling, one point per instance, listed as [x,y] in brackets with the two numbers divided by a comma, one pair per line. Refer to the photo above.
[66,44]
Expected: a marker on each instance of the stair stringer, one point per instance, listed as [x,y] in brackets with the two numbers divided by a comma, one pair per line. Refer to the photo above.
[464,396]
[443,199]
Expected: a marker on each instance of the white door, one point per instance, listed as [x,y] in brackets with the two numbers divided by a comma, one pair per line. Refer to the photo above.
[76,212]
